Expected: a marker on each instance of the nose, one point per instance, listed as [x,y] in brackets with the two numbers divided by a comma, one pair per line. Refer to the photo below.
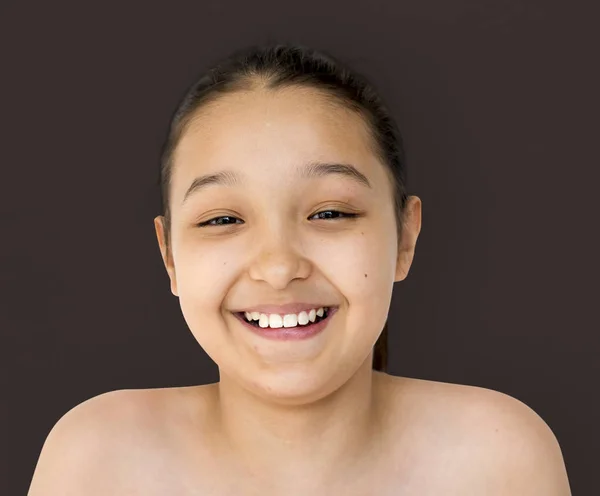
[279,258]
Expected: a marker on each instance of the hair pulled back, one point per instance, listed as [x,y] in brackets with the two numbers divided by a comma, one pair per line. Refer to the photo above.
[279,65]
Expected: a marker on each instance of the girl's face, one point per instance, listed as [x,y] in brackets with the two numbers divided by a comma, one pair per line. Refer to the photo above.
[271,248]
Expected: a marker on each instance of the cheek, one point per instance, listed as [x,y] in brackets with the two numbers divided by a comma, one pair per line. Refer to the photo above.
[364,272]
[200,303]
[361,266]
[201,285]
[198,279]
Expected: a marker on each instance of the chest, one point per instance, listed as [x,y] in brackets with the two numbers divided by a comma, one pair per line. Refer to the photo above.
[173,474]
[429,456]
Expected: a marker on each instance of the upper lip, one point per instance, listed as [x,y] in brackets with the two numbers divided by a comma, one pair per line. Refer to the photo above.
[284,309]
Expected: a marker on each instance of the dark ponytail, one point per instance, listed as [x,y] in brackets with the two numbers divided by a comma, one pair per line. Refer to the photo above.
[277,65]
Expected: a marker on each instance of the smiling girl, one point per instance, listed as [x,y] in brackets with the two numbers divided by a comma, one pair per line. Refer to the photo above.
[286,224]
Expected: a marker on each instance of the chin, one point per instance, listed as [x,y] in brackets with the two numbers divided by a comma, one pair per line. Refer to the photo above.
[294,385]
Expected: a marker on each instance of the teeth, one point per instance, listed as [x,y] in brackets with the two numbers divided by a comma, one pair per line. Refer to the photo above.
[276,321]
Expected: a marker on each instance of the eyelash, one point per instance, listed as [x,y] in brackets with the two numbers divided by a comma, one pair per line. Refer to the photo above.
[344,214]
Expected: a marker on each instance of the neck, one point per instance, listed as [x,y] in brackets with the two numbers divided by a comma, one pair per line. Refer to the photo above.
[333,431]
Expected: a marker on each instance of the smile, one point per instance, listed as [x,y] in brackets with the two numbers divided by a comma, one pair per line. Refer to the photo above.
[293,332]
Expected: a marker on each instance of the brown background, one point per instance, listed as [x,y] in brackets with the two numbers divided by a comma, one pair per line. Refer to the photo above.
[498,105]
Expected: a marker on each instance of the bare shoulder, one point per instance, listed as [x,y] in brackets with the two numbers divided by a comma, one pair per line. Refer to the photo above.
[71,443]
[498,444]
[515,445]
[96,446]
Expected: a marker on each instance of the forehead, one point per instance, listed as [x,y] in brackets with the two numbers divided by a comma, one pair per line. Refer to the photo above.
[270,132]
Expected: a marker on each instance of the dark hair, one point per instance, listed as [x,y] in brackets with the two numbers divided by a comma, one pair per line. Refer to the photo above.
[279,65]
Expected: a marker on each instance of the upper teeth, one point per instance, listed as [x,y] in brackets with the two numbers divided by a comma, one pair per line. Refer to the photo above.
[288,320]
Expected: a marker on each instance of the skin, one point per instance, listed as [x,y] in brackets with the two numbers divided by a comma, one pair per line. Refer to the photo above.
[317,403]
[304,417]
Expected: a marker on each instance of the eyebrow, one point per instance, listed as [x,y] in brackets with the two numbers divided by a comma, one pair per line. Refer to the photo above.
[310,171]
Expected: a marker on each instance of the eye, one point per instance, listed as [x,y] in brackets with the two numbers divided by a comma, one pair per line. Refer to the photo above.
[339,215]
[210,222]
[342,214]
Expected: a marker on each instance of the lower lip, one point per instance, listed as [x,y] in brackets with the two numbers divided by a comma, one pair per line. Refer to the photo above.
[289,333]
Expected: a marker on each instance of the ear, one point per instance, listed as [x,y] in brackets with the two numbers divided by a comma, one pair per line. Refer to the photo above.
[411,230]
[159,227]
